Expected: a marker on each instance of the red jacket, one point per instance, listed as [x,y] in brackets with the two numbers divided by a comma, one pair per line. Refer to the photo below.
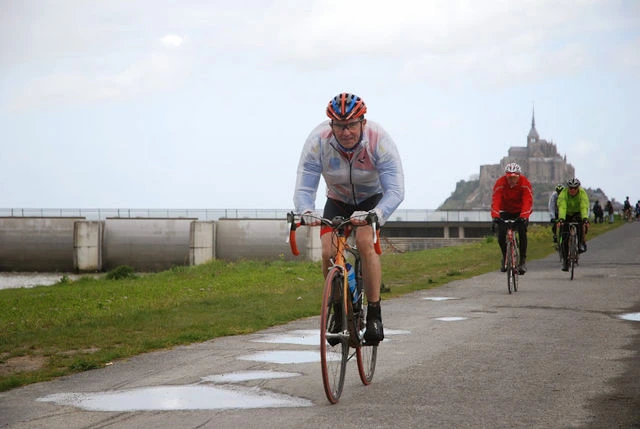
[518,199]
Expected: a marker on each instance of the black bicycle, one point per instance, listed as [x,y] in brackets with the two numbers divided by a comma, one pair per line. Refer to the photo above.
[573,253]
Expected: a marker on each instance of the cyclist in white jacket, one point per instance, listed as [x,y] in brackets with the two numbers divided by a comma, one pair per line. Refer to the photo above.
[361,167]
[553,210]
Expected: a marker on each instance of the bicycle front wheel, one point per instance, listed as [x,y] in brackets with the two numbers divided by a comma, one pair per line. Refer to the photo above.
[509,264]
[573,252]
[365,355]
[515,269]
[334,347]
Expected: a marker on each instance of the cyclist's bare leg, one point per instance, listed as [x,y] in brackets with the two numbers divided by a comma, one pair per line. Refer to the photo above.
[371,266]
[328,252]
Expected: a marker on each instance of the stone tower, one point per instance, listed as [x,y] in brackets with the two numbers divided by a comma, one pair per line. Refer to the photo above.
[539,160]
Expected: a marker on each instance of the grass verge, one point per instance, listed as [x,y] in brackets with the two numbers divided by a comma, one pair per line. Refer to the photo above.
[73,326]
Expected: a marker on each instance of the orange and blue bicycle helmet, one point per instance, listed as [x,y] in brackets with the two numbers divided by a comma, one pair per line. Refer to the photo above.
[346,106]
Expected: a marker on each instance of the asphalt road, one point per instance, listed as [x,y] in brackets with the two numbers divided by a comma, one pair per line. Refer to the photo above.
[555,354]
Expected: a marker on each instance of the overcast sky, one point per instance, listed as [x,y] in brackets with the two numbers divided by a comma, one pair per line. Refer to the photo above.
[206,104]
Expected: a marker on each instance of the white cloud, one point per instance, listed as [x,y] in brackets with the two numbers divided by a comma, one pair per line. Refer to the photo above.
[155,71]
[172,41]
[441,42]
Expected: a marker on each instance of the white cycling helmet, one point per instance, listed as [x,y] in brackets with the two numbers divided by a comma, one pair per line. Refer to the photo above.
[573,183]
[512,169]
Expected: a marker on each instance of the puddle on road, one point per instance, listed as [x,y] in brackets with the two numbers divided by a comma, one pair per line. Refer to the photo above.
[304,337]
[164,398]
[203,397]
[239,376]
[634,317]
[283,356]
[394,332]
[450,319]
[439,298]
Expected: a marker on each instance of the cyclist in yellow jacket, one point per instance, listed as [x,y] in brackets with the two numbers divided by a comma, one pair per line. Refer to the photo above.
[573,206]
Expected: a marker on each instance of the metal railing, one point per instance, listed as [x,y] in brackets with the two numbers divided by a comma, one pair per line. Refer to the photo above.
[402,215]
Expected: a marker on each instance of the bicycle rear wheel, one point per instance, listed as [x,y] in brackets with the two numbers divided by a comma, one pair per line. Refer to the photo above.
[510,268]
[365,355]
[334,347]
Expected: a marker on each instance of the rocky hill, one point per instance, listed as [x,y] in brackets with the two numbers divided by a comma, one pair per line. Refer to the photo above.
[540,162]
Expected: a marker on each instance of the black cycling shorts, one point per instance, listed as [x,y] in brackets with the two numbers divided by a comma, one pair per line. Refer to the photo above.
[333,208]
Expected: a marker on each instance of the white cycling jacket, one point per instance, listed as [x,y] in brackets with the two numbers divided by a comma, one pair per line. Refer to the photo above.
[374,168]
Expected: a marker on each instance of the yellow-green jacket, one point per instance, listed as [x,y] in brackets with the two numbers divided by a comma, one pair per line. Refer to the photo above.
[570,206]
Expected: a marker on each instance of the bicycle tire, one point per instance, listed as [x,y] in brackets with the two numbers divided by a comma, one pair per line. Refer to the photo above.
[333,358]
[366,356]
[573,252]
[514,266]
[509,264]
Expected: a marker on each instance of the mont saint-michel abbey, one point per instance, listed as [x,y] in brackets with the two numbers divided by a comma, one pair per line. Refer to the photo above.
[540,162]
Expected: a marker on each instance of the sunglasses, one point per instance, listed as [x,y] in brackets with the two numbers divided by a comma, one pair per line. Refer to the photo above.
[351,126]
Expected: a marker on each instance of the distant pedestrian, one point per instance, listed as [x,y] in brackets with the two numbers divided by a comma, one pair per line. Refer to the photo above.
[626,210]
[609,209]
[597,212]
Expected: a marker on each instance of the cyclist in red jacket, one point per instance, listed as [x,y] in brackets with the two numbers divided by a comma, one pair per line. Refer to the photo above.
[512,199]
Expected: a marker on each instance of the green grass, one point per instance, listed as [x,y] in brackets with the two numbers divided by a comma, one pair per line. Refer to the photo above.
[79,325]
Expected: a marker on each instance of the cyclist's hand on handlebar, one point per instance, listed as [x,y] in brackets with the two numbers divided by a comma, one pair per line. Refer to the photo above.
[363,218]
[359,217]
[375,215]
[309,219]
[523,220]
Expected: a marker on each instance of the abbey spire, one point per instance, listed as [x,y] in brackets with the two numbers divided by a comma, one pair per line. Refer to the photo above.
[533,136]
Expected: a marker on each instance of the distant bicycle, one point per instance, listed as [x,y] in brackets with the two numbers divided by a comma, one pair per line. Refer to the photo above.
[343,315]
[626,215]
[573,253]
[512,254]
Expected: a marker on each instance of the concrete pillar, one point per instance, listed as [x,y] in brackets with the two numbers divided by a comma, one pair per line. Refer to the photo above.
[202,242]
[314,245]
[447,234]
[87,246]
[461,231]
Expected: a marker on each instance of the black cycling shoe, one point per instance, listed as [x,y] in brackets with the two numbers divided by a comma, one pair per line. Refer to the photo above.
[565,267]
[522,269]
[582,248]
[374,332]
[503,267]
